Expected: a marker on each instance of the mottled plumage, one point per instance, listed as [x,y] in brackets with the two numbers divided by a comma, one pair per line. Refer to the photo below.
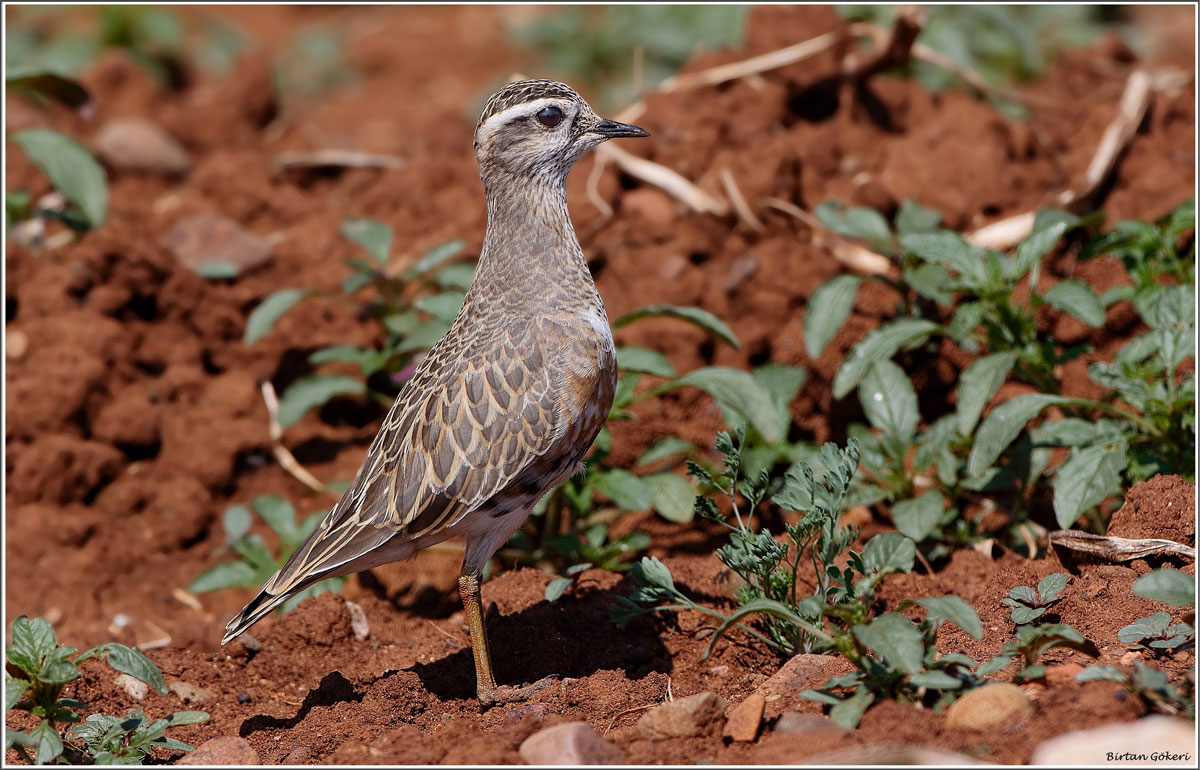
[506,404]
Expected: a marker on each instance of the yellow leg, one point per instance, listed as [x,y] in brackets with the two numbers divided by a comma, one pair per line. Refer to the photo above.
[485,681]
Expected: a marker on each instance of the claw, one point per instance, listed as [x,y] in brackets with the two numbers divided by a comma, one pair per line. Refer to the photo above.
[510,694]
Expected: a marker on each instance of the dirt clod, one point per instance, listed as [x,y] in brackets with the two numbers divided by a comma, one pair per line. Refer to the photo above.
[204,239]
[225,750]
[570,743]
[683,717]
[990,706]
[135,144]
[745,718]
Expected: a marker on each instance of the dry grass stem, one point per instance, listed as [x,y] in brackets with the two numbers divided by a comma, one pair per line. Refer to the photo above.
[282,454]
[855,257]
[739,202]
[1004,234]
[671,182]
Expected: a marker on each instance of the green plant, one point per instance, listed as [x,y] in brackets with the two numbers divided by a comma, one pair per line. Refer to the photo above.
[257,563]
[1151,685]
[1150,251]
[1157,631]
[73,171]
[1029,604]
[37,671]
[1031,643]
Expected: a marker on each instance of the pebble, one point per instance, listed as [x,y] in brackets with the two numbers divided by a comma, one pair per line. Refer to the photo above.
[298,756]
[203,239]
[537,711]
[799,723]
[682,717]
[742,270]
[992,705]
[225,750]
[745,718]
[15,345]
[570,743]
[801,672]
[189,692]
[672,266]
[134,144]
[1156,739]
[134,688]
[358,621]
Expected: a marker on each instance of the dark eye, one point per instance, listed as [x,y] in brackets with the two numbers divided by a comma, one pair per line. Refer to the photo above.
[550,116]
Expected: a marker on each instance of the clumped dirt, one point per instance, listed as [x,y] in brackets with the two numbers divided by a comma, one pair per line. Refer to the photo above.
[134,416]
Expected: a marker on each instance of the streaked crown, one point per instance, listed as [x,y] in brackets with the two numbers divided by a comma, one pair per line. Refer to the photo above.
[522,92]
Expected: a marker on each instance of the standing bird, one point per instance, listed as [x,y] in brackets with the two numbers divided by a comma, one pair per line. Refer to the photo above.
[505,405]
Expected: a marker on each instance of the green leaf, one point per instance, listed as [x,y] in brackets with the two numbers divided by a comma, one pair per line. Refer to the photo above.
[434,257]
[828,308]
[948,249]
[233,574]
[626,490]
[1086,478]
[280,516]
[311,392]
[955,610]
[889,401]
[14,688]
[936,680]
[895,639]
[880,344]
[889,552]
[1036,245]
[46,82]
[235,522]
[669,446]
[693,315]
[444,305]
[672,496]
[783,382]
[375,237]
[931,281]
[264,316]
[134,662]
[1051,586]
[1078,300]
[739,391]
[650,571]
[919,518]
[978,383]
[912,217]
[70,167]
[48,744]
[1003,425]
[366,359]
[456,276]
[856,222]
[218,270]
[1101,673]
[849,712]
[557,587]
[644,360]
[1168,586]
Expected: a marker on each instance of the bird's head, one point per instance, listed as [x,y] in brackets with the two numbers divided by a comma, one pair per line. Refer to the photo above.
[540,127]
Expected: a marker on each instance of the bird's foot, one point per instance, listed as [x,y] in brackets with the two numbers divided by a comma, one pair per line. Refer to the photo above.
[510,694]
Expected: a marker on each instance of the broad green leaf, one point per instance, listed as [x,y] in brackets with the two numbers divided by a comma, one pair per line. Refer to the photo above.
[894,638]
[1144,628]
[978,383]
[828,309]
[264,316]
[849,712]
[1052,585]
[46,82]
[672,496]
[669,446]
[311,392]
[14,688]
[950,250]
[880,344]
[783,382]
[231,574]
[424,336]
[994,664]
[889,552]
[936,680]
[931,281]
[444,305]
[626,490]
[235,522]
[693,315]
[366,359]
[70,167]
[218,270]
[1086,478]
[912,217]
[955,610]
[456,276]
[1036,245]
[644,360]
[651,571]
[889,401]
[856,222]
[434,257]
[375,237]
[1101,673]
[1003,425]
[739,391]
[134,662]
[403,323]
[46,742]
[918,518]
[556,588]
[1169,586]
[280,516]
[1078,300]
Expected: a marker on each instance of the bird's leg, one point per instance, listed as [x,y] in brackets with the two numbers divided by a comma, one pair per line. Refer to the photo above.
[485,681]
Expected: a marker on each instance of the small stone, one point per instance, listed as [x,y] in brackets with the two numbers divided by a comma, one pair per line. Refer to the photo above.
[1129,658]
[745,718]
[298,756]
[15,345]
[200,241]
[189,692]
[537,711]
[134,688]
[1062,673]
[358,621]
[672,266]
[992,705]
[225,750]
[655,206]
[800,672]
[1172,740]
[133,144]
[243,697]
[682,717]
[570,743]
[799,723]
[249,642]
[742,270]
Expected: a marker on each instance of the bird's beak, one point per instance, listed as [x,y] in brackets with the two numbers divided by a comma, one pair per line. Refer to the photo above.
[611,129]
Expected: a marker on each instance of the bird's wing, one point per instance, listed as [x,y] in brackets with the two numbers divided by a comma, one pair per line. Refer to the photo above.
[465,426]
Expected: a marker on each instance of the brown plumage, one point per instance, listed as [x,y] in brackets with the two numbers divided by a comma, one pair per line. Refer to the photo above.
[507,403]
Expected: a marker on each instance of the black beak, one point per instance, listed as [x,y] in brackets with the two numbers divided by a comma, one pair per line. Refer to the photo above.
[611,129]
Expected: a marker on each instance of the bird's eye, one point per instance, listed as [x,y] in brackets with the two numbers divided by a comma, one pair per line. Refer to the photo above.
[550,116]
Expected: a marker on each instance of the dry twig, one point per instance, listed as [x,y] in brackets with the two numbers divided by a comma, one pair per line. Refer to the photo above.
[1118,549]
[286,459]
[671,182]
[857,258]
[739,202]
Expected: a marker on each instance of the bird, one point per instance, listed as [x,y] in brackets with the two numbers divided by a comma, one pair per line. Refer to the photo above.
[507,403]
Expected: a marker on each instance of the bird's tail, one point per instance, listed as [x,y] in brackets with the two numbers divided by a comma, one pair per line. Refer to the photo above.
[262,605]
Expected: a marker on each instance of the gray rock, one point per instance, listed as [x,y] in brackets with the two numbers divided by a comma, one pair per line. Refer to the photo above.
[204,241]
[133,144]
[189,692]
[683,717]
[134,688]
[225,750]
[571,743]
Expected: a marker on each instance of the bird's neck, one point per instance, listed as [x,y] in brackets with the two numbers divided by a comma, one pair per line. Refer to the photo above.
[530,246]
